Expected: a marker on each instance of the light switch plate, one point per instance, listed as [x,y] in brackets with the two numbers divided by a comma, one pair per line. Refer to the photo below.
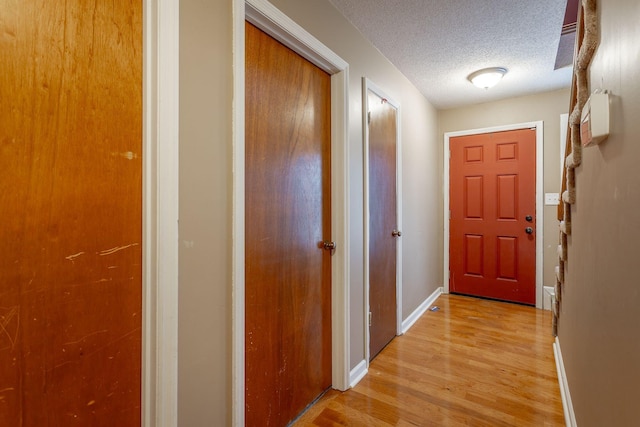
[552,199]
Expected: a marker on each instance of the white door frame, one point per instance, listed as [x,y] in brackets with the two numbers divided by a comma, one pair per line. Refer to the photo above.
[539,127]
[271,20]
[368,85]
[160,213]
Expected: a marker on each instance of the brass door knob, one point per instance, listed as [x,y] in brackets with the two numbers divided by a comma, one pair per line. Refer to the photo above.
[329,246]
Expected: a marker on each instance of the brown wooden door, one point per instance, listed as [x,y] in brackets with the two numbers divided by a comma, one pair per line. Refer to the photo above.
[70,204]
[493,215]
[288,216]
[382,223]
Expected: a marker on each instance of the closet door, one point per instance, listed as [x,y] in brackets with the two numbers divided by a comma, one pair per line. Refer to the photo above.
[70,204]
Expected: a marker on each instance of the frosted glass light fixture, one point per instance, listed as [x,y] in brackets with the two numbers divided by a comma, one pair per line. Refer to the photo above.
[487,77]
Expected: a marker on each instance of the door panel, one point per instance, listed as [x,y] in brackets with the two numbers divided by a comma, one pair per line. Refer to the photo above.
[288,216]
[492,190]
[474,255]
[382,222]
[474,203]
[71,206]
[507,197]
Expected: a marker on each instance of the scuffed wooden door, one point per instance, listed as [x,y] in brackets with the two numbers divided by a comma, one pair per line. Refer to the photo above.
[288,217]
[70,205]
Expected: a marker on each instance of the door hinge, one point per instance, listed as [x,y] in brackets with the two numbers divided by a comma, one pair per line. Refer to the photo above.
[368,117]
[369,319]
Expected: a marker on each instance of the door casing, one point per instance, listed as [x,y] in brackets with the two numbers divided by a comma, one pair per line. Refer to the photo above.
[269,19]
[538,126]
[369,86]
[160,142]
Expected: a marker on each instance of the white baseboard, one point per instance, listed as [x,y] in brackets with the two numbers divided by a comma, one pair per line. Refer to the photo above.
[409,321]
[357,373]
[569,415]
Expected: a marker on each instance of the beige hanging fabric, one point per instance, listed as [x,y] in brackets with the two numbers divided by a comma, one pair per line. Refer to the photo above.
[587,41]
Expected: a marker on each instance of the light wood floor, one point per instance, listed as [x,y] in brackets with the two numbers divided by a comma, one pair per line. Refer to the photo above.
[472,363]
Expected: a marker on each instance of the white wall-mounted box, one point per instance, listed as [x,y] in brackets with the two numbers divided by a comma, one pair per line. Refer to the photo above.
[594,123]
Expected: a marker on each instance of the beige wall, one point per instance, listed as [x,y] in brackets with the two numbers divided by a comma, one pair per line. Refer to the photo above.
[599,327]
[205,191]
[546,107]
[205,221]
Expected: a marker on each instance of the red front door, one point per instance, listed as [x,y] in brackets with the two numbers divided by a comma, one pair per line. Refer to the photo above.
[493,217]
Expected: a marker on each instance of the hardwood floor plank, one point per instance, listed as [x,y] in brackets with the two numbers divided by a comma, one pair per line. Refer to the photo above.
[473,362]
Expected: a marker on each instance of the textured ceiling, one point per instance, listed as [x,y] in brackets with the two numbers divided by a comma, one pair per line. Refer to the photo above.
[438,43]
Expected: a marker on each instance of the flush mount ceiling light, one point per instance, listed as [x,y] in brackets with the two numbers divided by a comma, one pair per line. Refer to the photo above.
[487,77]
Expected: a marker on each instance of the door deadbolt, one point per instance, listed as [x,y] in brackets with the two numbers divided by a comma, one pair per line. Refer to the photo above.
[528,230]
[396,233]
[529,218]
